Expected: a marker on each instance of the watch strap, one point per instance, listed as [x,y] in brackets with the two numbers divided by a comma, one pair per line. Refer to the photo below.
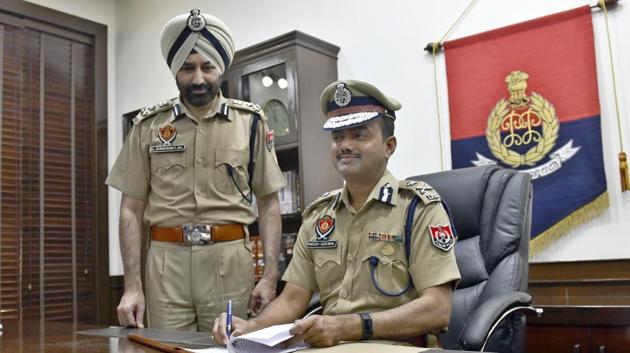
[367,326]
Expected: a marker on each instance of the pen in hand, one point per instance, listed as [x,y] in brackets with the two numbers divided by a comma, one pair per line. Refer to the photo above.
[228,319]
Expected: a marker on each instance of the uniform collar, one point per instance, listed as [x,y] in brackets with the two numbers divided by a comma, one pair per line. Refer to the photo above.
[385,191]
[220,109]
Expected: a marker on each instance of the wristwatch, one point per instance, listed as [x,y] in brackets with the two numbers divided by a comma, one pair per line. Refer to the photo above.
[367,326]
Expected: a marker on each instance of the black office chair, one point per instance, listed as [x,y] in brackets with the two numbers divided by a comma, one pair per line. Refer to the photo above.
[491,211]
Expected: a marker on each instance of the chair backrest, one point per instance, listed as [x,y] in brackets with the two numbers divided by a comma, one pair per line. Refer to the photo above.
[491,211]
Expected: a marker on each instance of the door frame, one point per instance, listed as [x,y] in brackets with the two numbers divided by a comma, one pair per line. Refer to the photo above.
[65,25]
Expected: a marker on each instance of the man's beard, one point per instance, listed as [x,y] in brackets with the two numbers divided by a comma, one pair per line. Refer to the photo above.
[196,99]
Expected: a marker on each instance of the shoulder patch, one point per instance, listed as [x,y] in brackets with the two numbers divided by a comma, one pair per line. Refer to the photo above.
[326,198]
[425,191]
[151,111]
[238,104]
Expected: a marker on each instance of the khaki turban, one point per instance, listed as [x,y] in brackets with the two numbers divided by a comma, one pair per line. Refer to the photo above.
[205,34]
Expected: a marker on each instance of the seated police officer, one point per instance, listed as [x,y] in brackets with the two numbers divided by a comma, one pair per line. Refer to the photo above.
[376,281]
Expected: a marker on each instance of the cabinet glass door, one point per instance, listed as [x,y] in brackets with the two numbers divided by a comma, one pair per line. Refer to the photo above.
[269,88]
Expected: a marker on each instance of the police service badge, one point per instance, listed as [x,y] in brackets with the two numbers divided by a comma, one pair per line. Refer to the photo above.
[166,135]
[388,250]
[342,95]
[442,237]
[196,22]
[269,140]
[523,130]
[323,229]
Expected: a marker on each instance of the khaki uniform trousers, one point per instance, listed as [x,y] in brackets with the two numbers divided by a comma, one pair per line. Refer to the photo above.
[187,287]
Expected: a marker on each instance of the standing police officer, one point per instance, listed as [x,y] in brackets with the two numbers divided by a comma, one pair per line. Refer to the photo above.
[379,251]
[188,169]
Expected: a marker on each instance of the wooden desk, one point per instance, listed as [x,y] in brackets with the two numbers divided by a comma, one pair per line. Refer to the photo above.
[34,336]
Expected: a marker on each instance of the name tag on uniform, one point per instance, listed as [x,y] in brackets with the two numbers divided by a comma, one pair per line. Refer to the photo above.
[167,148]
[321,244]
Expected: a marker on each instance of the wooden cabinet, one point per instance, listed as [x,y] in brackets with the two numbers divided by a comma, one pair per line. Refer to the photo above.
[576,338]
[586,307]
[285,75]
[557,338]
[580,329]
[610,339]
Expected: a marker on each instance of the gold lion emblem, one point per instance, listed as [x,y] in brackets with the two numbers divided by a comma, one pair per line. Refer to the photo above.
[515,122]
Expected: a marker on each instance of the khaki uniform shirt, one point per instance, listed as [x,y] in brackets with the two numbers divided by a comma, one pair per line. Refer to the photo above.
[193,185]
[342,275]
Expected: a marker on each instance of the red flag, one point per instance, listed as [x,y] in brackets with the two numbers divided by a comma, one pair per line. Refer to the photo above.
[525,97]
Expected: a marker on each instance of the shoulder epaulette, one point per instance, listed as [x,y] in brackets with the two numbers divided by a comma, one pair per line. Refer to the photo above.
[151,111]
[425,191]
[330,196]
[249,106]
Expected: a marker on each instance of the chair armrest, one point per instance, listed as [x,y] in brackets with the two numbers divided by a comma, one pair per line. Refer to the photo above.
[482,320]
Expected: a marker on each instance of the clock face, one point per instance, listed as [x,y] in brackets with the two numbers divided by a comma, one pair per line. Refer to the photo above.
[277,117]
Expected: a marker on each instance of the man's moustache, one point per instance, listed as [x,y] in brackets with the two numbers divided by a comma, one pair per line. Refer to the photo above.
[191,88]
[341,155]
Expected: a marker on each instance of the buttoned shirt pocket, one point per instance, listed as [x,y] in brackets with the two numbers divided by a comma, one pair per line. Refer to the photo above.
[388,271]
[167,171]
[230,171]
[328,270]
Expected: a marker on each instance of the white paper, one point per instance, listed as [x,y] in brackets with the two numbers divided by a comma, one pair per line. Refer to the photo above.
[267,340]
[209,350]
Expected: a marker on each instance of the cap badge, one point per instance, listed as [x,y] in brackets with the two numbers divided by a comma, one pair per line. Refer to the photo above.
[342,95]
[442,237]
[196,22]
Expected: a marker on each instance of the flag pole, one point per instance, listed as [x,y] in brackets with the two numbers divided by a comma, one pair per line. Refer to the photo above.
[608,3]
[434,47]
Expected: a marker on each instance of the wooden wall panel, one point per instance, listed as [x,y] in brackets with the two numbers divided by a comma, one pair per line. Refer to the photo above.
[580,283]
